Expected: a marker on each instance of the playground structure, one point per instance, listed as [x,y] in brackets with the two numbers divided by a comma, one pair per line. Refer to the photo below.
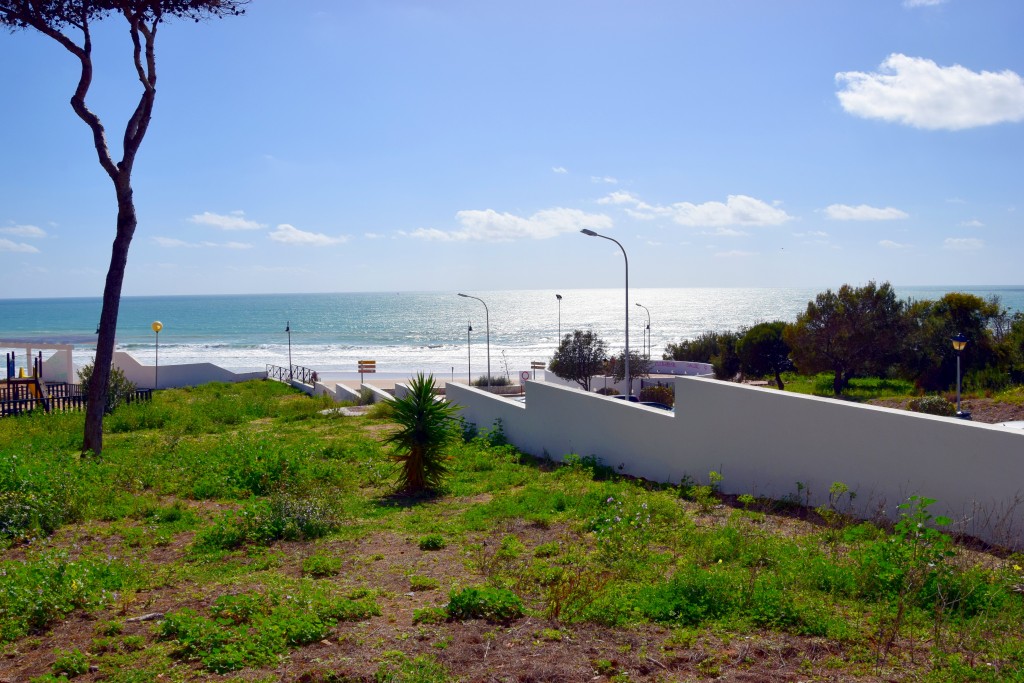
[44,383]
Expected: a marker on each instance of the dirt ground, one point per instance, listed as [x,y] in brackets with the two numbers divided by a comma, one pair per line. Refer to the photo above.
[530,649]
[981,409]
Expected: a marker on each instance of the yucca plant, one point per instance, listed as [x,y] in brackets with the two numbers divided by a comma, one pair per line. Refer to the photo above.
[425,428]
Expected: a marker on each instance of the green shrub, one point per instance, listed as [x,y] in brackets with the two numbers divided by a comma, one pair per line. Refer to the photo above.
[320,566]
[933,405]
[36,592]
[399,668]
[120,389]
[496,381]
[659,393]
[254,629]
[423,583]
[71,663]
[261,521]
[492,604]
[432,542]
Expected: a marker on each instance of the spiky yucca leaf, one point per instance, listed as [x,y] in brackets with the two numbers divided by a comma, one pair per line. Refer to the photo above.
[424,430]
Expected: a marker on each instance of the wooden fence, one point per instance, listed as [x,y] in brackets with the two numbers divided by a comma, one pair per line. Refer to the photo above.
[21,396]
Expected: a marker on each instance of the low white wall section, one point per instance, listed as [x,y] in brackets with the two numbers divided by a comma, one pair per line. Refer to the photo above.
[173,376]
[763,442]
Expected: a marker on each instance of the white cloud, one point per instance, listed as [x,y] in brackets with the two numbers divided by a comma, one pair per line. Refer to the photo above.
[373,236]
[734,254]
[236,220]
[973,223]
[811,233]
[20,247]
[491,226]
[29,231]
[289,234]
[889,244]
[175,243]
[738,209]
[559,169]
[619,197]
[726,232]
[923,3]
[172,242]
[608,180]
[963,244]
[920,93]
[844,212]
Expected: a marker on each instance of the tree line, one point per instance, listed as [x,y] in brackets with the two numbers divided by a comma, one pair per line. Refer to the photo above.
[869,332]
[852,332]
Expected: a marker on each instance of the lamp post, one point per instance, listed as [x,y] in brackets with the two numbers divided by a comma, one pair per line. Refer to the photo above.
[157,326]
[648,353]
[488,317]
[959,342]
[288,329]
[469,356]
[559,297]
[591,233]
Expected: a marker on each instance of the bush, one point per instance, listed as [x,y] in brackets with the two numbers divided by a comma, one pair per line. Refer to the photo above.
[432,542]
[119,389]
[496,381]
[659,393]
[933,405]
[492,604]
[608,391]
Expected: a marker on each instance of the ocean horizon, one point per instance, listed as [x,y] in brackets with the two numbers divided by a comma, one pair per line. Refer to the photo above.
[407,332]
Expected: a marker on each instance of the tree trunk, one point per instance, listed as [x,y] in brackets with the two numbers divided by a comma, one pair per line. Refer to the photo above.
[778,381]
[838,382]
[96,407]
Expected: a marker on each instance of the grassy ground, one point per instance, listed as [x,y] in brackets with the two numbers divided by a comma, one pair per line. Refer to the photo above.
[234,533]
[860,388]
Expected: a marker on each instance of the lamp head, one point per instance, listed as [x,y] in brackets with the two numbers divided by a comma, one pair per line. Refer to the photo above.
[288,326]
[157,326]
[465,295]
[959,342]
[589,232]
[470,328]
[558,296]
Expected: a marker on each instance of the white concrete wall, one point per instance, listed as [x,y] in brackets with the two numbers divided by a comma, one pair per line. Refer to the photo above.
[763,442]
[172,376]
[339,392]
[59,367]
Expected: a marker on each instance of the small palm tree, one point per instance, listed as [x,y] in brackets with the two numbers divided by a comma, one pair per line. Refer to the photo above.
[424,430]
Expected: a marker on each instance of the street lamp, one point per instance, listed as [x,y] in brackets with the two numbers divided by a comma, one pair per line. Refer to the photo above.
[488,315]
[157,326]
[559,297]
[591,233]
[288,329]
[959,342]
[648,330]
[469,356]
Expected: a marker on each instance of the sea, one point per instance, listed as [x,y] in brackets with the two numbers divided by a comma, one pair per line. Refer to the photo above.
[408,332]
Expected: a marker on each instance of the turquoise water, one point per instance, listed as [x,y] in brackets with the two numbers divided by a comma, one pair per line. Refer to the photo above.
[410,331]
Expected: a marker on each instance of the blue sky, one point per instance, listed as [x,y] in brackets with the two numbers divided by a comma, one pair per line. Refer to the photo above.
[328,145]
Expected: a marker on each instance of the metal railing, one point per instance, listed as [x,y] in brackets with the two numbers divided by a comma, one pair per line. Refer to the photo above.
[296,372]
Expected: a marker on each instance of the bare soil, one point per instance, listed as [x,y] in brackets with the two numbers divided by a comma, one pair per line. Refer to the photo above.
[984,410]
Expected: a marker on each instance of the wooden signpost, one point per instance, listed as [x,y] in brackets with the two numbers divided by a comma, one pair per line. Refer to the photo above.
[368,367]
[537,365]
